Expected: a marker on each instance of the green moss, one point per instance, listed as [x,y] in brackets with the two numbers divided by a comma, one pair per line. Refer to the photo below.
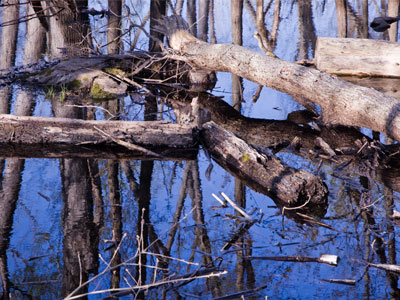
[245,157]
[74,84]
[98,93]
[114,71]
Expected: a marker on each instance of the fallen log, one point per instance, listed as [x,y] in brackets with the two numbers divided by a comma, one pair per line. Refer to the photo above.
[341,102]
[357,57]
[133,136]
[287,186]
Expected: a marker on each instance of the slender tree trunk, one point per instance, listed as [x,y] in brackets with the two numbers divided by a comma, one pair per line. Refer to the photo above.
[158,9]
[191,16]
[393,11]
[237,31]
[341,14]
[365,14]
[11,184]
[114,45]
[8,45]
[203,20]
[307,37]
[10,16]
[116,217]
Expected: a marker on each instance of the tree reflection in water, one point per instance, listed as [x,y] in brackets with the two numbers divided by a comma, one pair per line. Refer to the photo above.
[129,228]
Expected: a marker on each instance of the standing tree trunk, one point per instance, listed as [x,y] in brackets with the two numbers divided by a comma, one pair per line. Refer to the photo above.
[341,14]
[69,29]
[365,24]
[393,11]
[158,9]
[10,176]
[203,20]
[307,37]
[114,27]
[237,31]
[191,16]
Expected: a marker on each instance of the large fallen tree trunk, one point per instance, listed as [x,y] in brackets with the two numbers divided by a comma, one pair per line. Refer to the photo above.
[354,152]
[342,103]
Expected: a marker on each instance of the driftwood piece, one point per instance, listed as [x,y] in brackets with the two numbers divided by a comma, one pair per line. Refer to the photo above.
[263,173]
[328,259]
[342,103]
[42,131]
[357,57]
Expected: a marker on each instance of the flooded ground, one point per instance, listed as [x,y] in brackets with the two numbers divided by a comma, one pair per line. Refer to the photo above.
[152,229]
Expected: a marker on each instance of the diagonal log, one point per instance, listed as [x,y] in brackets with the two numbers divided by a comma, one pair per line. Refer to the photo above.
[262,172]
[342,103]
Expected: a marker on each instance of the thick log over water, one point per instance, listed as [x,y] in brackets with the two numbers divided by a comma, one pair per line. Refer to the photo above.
[262,172]
[342,103]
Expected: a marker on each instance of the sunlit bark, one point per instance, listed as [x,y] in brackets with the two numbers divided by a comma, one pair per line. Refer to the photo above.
[341,103]
[393,11]
[341,15]
[114,45]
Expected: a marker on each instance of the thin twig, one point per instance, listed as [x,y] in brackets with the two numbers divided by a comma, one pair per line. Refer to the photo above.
[235,206]
[129,146]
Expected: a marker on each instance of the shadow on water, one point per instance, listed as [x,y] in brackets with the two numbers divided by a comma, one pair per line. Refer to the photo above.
[86,221]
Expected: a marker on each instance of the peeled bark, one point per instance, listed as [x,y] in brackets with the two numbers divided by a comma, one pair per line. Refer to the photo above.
[342,103]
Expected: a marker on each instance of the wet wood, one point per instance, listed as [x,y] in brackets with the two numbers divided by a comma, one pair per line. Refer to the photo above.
[263,173]
[112,151]
[342,103]
[44,131]
[358,57]
[340,281]
[328,259]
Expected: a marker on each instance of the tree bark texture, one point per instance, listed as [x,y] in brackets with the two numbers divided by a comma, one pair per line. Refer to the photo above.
[261,172]
[42,130]
[341,15]
[342,103]
[203,20]
[358,57]
[237,29]
[393,11]
[10,15]
[158,9]
[114,26]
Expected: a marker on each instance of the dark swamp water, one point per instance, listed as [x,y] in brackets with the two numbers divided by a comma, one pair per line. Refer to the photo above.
[66,221]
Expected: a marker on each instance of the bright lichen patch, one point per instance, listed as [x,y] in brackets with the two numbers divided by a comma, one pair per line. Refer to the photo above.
[96,92]
[245,157]
[114,71]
